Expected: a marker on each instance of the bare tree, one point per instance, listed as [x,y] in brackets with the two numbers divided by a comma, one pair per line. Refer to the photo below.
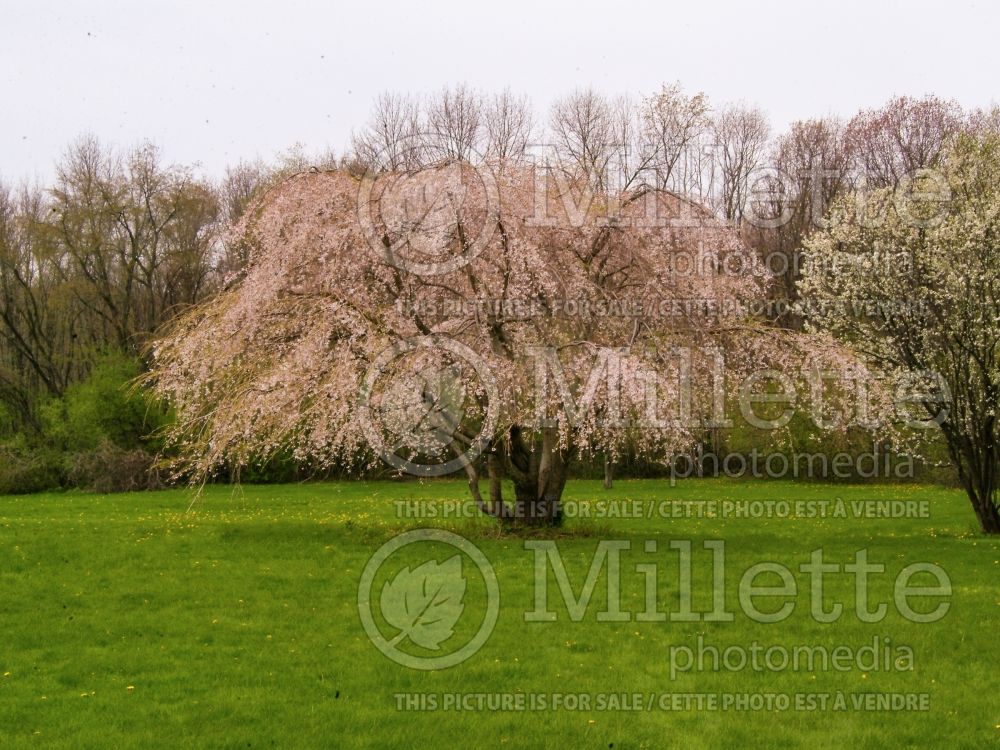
[118,223]
[508,122]
[603,141]
[40,328]
[239,187]
[810,167]
[454,126]
[673,124]
[903,136]
[582,126]
[740,134]
[388,139]
[635,157]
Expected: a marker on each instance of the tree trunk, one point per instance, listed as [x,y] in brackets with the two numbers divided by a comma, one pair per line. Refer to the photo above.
[539,475]
[986,512]
[609,480]
[977,463]
[539,478]
[495,470]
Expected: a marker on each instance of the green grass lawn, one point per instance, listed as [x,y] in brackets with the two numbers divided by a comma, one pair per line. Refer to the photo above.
[138,621]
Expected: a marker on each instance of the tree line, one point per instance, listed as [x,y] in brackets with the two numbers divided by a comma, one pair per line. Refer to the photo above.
[121,242]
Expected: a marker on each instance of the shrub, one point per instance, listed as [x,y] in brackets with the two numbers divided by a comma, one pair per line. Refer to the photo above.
[103,407]
[109,468]
[23,472]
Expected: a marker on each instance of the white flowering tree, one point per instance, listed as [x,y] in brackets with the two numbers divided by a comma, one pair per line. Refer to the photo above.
[927,254]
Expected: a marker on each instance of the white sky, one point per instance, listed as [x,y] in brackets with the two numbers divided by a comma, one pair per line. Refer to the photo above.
[211,84]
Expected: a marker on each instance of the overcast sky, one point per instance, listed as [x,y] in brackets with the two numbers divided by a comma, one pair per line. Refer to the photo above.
[214,83]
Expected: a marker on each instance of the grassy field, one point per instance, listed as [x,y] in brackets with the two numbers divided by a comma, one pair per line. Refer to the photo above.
[145,621]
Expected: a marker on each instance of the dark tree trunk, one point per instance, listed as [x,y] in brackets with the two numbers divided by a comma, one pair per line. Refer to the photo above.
[538,473]
[539,477]
[986,512]
[977,461]
[981,486]
[495,470]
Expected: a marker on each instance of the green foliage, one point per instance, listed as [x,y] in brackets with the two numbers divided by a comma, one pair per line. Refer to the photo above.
[100,435]
[105,407]
[25,469]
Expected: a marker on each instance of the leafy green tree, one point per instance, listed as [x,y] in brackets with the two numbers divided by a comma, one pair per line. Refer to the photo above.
[103,407]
